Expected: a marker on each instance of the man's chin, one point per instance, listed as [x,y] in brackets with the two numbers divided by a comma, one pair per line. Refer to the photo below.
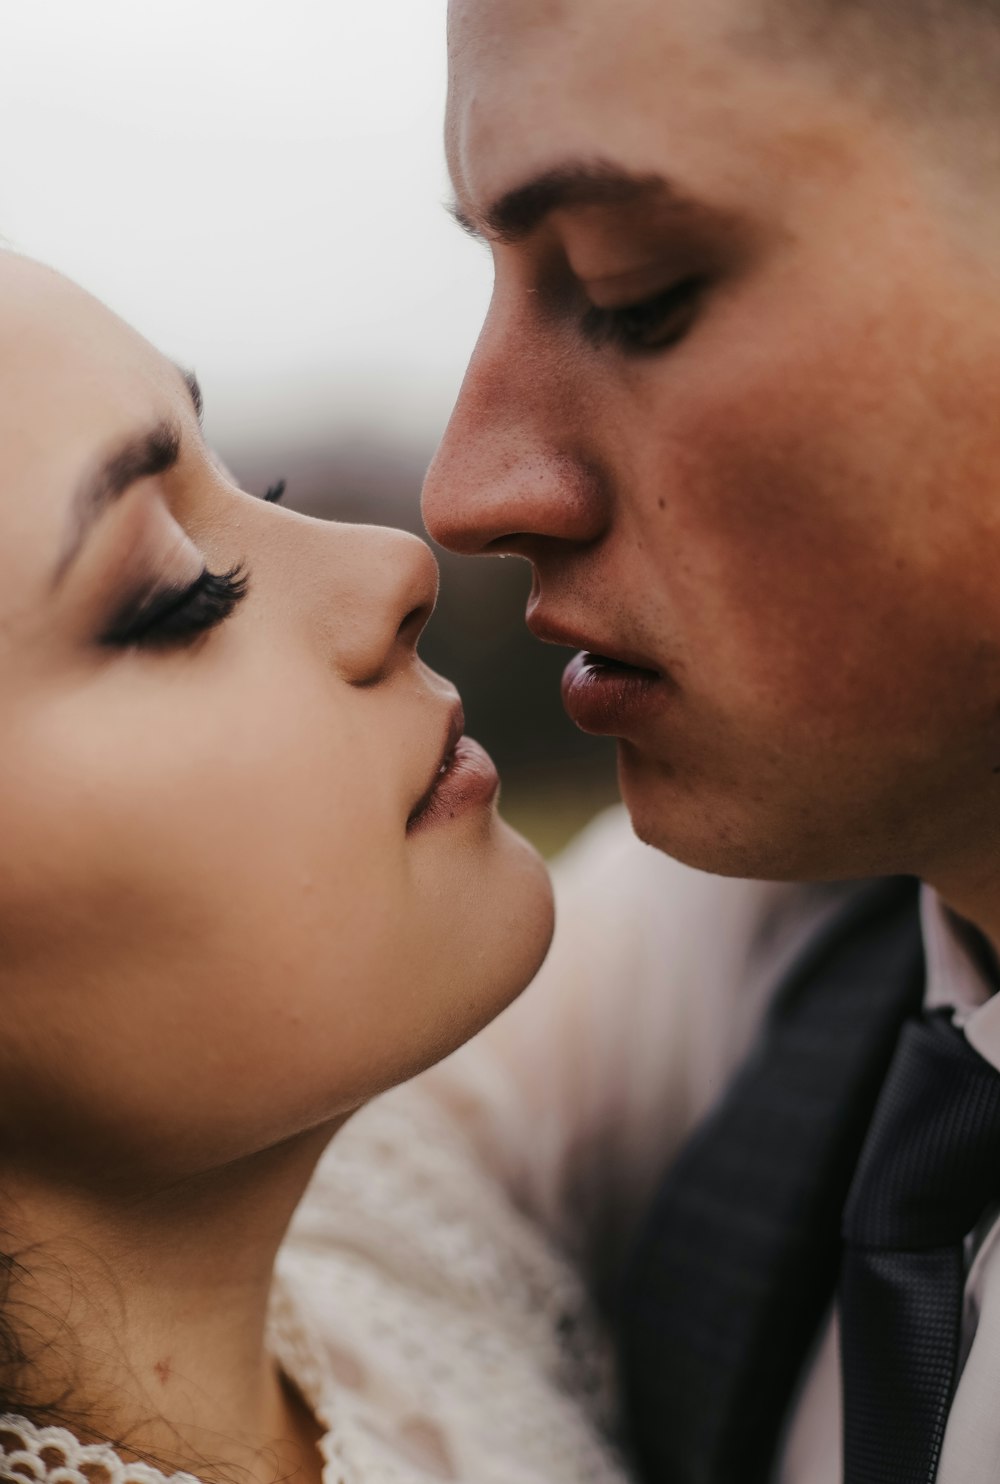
[726,832]
[673,817]
[708,849]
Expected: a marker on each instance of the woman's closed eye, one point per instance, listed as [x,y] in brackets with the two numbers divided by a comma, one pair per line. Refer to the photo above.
[166,615]
[651,324]
[171,616]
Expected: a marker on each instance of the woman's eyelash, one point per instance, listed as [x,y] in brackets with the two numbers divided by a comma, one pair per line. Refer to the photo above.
[652,324]
[276,492]
[178,615]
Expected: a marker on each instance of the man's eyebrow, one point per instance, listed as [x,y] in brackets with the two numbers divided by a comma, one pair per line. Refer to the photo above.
[521,211]
[141,456]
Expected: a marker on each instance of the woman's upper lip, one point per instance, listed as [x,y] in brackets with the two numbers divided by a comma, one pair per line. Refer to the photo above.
[550,632]
[455,730]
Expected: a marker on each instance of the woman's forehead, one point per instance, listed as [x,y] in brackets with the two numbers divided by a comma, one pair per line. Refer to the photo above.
[42,314]
[72,377]
[67,363]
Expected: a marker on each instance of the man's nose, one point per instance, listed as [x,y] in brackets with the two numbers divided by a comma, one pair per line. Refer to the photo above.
[512,473]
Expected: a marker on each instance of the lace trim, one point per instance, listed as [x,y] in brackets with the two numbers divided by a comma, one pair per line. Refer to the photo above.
[51,1455]
[296,1352]
[440,1335]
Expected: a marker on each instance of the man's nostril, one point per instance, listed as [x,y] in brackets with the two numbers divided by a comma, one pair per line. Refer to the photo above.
[516,543]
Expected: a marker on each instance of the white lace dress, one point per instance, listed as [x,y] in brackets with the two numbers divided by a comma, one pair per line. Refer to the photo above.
[431,1327]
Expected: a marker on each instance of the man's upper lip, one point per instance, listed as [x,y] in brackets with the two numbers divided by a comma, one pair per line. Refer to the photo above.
[456,729]
[552,632]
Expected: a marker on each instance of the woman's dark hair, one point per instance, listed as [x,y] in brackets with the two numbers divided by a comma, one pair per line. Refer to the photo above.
[23,1337]
[19,1332]
[13,1359]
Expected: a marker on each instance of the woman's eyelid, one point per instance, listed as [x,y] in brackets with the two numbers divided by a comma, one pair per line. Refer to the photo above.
[166,616]
[158,561]
[180,552]
[169,561]
[140,545]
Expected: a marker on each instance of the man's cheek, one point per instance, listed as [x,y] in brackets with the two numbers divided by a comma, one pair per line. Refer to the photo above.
[752,527]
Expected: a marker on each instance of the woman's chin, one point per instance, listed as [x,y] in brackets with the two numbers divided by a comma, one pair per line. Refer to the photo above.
[514,917]
[525,907]
[538,893]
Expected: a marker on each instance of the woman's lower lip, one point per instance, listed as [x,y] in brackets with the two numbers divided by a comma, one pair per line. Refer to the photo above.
[609,699]
[470,782]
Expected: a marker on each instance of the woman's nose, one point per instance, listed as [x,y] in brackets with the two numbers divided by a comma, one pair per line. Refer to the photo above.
[384,593]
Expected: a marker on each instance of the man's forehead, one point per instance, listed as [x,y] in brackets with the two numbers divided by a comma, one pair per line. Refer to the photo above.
[474,22]
[485,31]
[518,72]
[536,85]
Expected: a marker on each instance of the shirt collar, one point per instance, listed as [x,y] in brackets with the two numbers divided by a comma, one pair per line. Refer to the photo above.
[961,975]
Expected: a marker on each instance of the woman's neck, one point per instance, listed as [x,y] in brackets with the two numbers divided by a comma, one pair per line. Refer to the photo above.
[143,1316]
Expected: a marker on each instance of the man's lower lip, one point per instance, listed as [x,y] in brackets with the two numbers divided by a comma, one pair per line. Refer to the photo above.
[609,699]
[471,782]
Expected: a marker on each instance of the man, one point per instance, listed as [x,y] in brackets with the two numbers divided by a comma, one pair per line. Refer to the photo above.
[736,401]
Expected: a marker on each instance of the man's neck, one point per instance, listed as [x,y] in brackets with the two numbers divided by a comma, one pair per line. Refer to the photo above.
[146,1314]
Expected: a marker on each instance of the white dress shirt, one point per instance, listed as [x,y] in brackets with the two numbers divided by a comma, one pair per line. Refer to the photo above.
[656,985]
[955,981]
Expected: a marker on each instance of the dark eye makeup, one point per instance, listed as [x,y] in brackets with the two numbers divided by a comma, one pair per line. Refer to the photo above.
[170,616]
[652,324]
[162,617]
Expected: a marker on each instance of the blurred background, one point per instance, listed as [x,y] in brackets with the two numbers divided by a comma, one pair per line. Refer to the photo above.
[260,188]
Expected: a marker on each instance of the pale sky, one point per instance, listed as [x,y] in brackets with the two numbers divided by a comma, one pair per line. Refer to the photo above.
[258,186]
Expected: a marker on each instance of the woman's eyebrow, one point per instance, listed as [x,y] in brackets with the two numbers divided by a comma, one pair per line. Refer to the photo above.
[191,382]
[140,456]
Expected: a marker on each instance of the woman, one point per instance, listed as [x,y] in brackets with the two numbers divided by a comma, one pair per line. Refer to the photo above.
[250,877]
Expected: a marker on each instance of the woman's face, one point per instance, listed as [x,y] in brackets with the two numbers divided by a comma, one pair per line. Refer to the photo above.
[219,923]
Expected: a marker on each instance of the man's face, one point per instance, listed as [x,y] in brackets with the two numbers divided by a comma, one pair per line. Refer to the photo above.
[738,400]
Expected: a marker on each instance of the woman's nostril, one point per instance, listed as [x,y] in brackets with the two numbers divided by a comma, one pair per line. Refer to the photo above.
[414,623]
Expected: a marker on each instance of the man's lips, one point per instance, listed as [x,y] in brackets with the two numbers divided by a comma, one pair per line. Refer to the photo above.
[609,688]
[465,777]
[609,697]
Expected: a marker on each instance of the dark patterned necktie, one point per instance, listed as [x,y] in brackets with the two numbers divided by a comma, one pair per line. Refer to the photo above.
[929,1170]
[738,1263]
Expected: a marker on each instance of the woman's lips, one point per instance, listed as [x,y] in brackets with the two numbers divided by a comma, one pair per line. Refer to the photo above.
[609,698]
[468,779]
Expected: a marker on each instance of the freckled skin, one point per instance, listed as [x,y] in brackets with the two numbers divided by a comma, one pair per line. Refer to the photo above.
[795,510]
